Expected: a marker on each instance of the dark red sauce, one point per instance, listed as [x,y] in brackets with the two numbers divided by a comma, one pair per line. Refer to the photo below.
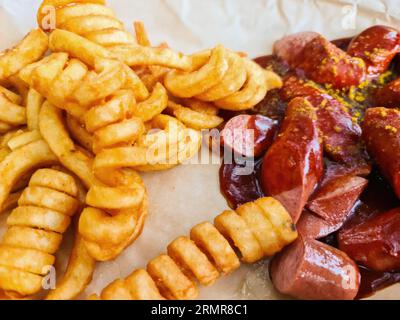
[377,197]
[239,189]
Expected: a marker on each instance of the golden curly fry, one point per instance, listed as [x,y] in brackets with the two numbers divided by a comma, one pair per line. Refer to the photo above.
[29,50]
[126,223]
[190,84]
[35,230]
[20,161]
[34,101]
[194,119]
[209,251]
[11,113]
[78,275]
[79,133]
[229,80]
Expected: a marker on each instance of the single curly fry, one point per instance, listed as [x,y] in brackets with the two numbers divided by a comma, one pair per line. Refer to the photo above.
[253,91]
[209,250]
[190,84]
[154,105]
[35,229]
[77,47]
[232,82]
[135,55]
[29,50]
[194,119]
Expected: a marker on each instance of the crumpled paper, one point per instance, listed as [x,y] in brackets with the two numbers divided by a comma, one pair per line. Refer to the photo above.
[189,194]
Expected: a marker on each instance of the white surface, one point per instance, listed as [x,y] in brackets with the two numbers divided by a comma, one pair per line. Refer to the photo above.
[187,195]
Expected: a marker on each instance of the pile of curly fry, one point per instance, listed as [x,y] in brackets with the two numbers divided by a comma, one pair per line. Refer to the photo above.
[84,107]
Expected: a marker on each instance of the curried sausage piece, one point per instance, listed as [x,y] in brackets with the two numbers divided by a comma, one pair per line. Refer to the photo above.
[389,95]
[374,243]
[377,46]
[321,61]
[325,63]
[381,131]
[334,200]
[340,133]
[293,165]
[309,269]
[289,47]
[249,135]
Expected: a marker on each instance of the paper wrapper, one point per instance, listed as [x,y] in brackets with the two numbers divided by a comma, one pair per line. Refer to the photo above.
[189,194]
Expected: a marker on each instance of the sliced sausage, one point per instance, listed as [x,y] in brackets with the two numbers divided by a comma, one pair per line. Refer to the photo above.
[293,165]
[340,133]
[309,269]
[324,63]
[249,135]
[314,227]
[292,45]
[294,87]
[377,46]
[374,243]
[381,131]
[334,200]
[389,95]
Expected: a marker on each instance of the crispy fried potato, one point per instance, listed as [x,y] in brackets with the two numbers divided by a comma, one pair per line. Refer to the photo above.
[35,227]
[194,119]
[141,34]
[53,131]
[21,161]
[59,4]
[279,218]
[232,226]
[207,250]
[232,81]
[193,262]
[116,290]
[12,96]
[261,227]
[253,91]
[34,101]
[209,240]
[79,133]
[135,55]
[144,286]
[78,274]
[154,105]
[109,77]
[77,46]
[187,85]
[173,284]
[29,50]
[10,112]
[24,139]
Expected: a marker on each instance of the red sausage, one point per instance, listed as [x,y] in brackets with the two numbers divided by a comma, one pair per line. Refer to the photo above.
[325,63]
[389,95]
[341,135]
[249,135]
[293,165]
[377,46]
[292,45]
[334,200]
[374,243]
[309,269]
[314,227]
[381,131]
[294,87]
